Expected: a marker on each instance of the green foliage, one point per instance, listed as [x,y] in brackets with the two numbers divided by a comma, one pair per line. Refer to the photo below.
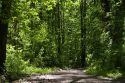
[47,33]
[34,70]
[114,74]
[14,62]
[16,66]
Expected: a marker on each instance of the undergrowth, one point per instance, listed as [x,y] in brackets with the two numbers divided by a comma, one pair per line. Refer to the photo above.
[16,67]
[98,71]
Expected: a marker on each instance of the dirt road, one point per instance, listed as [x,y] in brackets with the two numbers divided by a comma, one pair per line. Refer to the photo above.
[67,76]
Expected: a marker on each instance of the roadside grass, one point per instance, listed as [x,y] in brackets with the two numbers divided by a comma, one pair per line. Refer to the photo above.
[34,70]
[28,71]
[113,74]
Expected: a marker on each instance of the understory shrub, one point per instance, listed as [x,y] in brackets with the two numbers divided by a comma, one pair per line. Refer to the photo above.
[14,63]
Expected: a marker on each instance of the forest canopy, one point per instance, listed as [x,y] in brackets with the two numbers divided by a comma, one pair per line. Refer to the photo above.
[62,33]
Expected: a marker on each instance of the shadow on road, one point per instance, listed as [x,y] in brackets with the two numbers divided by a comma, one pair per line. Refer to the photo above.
[68,76]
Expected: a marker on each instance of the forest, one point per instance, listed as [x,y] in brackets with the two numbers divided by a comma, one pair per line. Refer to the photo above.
[43,36]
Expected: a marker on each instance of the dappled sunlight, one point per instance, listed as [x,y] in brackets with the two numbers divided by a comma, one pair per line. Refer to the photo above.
[66,76]
[62,41]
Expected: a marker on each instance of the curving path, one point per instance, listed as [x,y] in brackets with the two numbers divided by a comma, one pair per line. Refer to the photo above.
[67,76]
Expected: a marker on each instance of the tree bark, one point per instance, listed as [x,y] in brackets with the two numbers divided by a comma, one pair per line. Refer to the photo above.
[5,14]
[3,40]
[59,33]
[115,32]
[83,32]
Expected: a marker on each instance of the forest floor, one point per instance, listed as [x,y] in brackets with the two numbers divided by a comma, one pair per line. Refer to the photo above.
[67,76]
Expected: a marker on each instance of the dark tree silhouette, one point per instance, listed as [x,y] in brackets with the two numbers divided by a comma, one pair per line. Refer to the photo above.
[5,14]
[83,32]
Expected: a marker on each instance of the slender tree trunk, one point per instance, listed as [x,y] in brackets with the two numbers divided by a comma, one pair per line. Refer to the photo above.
[62,31]
[63,28]
[3,40]
[58,33]
[116,32]
[106,20]
[83,32]
[5,14]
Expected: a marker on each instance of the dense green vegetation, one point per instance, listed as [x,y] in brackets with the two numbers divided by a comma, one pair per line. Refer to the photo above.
[37,35]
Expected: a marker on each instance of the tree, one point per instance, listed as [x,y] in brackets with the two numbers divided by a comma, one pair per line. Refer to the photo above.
[83,32]
[106,19]
[58,32]
[117,33]
[4,16]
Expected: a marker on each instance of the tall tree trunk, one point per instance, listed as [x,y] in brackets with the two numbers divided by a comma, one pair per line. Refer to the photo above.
[5,14]
[62,31]
[58,28]
[83,32]
[117,33]
[3,40]
[106,20]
